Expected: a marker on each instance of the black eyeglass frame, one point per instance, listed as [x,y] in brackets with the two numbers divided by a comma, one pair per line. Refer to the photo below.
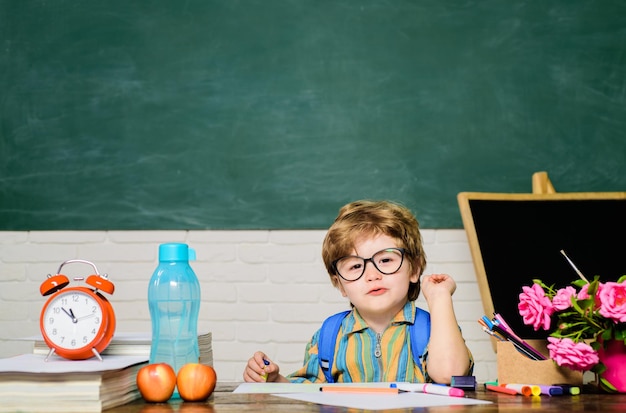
[370,259]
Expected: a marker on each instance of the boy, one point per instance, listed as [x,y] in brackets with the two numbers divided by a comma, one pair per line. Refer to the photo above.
[374,256]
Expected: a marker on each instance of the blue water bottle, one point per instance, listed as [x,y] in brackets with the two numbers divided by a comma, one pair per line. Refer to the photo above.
[174,301]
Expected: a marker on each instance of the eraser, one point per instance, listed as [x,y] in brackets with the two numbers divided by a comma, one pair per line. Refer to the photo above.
[463,382]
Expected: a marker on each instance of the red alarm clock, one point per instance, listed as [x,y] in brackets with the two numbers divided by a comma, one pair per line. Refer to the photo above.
[77,322]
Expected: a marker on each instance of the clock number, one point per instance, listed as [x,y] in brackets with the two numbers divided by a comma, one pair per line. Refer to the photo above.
[56,310]
[51,320]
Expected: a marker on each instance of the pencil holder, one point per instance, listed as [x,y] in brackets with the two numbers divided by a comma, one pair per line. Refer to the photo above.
[514,367]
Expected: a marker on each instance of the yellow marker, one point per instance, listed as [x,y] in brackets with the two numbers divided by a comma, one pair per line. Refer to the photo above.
[264,375]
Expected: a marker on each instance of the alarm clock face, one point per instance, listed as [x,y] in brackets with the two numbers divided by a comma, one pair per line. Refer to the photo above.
[73,320]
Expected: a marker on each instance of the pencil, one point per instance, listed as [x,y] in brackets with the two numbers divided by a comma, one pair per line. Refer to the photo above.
[353,389]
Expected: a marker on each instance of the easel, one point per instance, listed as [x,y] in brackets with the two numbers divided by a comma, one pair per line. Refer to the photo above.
[521,236]
[542,184]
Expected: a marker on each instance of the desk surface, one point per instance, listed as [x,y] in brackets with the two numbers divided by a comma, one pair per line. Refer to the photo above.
[223,400]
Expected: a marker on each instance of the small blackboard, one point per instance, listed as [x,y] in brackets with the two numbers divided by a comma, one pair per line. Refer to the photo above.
[515,238]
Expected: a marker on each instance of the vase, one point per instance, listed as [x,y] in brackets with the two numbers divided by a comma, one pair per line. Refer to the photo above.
[613,355]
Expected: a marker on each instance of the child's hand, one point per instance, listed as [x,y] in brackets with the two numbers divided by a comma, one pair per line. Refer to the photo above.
[437,283]
[261,369]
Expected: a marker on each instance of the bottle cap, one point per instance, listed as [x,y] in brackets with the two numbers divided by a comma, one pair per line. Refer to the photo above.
[176,252]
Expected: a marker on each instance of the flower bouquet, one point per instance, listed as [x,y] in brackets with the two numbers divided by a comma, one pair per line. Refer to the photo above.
[589,324]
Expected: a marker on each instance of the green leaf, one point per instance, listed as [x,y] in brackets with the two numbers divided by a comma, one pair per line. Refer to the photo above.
[607,334]
[598,368]
[583,305]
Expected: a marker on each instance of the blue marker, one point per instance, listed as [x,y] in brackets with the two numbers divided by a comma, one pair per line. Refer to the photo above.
[551,390]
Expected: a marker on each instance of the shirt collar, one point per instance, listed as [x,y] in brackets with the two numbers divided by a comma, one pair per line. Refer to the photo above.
[405,316]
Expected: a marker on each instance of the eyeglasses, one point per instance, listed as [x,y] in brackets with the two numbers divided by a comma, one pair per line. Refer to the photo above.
[387,261]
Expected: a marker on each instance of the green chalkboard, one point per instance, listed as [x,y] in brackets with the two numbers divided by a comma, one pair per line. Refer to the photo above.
[271,114]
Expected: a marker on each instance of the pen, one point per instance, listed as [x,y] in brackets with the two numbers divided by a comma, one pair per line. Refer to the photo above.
[521,347]
[502,325]
[264,375]
[353,389]
[500,389]
[431,388]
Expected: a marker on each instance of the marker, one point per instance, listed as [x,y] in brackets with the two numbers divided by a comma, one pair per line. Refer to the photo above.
[431,388]
[353,389]
[463,382]
[551,390]
[264,375]
[500,389]
[524,389]
[569,389]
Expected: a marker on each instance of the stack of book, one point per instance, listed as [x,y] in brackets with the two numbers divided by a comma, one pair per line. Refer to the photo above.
[30,383]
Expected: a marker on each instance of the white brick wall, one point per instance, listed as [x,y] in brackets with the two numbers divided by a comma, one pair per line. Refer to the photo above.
[261,290]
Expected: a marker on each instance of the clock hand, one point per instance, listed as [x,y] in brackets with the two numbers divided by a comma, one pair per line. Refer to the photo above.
[85,316]
[70,314]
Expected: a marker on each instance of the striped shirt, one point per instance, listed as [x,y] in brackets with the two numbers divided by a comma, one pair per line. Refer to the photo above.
[356,357]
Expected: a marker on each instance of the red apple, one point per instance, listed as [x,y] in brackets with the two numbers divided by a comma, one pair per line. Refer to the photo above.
[156,382]
[196,382]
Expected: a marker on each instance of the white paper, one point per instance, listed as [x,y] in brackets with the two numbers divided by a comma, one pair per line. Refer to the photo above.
[35,363]
[381,401]
[311,393]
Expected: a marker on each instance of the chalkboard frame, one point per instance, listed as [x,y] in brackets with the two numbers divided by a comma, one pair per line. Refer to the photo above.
[469,203]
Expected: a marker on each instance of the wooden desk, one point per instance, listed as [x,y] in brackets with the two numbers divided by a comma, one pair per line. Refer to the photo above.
[224,401]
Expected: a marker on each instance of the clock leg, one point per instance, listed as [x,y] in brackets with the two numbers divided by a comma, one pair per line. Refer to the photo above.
[95,352]
[51,352]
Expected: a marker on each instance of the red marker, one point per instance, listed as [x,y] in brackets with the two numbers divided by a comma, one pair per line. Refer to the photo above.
[500,389]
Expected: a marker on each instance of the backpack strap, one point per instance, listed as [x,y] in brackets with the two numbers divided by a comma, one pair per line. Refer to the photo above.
[419,331]
[326,343]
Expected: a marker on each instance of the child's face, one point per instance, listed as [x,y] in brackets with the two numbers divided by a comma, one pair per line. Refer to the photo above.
[376,294]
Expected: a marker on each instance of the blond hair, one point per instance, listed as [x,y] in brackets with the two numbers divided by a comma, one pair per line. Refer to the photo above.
[371,218]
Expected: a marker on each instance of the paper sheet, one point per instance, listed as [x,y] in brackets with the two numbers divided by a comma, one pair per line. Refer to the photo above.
[35,363]
[311,393]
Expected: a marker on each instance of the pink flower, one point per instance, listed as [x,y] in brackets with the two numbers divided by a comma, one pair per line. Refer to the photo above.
[576,356]
[613,301]
[535,308]
[582,294]
[563,298]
